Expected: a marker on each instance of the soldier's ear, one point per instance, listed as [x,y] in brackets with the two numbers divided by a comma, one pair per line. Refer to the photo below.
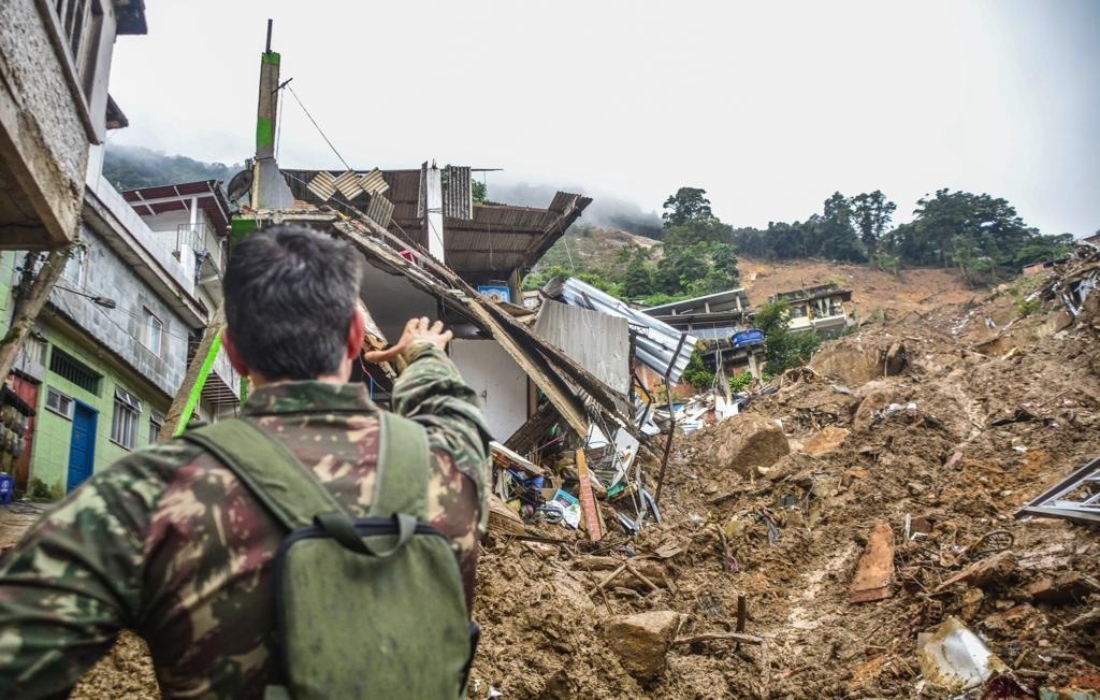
[356,332]
[235,358]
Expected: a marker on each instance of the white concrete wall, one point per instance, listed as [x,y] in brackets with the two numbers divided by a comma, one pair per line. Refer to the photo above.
[497,379]
[161,246]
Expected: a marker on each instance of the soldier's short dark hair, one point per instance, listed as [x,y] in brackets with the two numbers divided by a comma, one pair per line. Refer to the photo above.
[290,294]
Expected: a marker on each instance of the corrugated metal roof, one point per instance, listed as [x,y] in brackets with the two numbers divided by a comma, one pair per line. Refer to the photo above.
[458,200]
[596,341]
[656,341]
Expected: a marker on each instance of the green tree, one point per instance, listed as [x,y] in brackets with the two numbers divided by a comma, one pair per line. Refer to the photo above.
[688,204]
[872,214]
[697,373]
[480,191]
[784,349]
[638,278]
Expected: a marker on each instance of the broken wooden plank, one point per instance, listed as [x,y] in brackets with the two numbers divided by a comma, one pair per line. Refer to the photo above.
[984,572]
[874,579]
[503,520]
[588,500]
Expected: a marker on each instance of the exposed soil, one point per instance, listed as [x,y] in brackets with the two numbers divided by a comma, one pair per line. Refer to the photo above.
[873,290]
[542,629]
[921,449]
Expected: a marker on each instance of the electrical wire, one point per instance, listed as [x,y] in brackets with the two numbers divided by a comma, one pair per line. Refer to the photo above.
[317,126]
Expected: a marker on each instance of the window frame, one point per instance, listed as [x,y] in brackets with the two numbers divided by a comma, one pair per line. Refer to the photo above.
[156,422]
[62,397]
[147,332]
[124,419]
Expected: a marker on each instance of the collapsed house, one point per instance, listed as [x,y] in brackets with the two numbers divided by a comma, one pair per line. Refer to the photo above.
[722,323]
[557,386]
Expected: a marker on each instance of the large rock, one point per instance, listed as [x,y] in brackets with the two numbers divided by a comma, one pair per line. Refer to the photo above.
[828,440]
[875,400]
[854,361]
[642,641]
[747,442]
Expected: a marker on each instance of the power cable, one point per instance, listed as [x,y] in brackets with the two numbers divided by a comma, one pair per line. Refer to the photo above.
[318,127]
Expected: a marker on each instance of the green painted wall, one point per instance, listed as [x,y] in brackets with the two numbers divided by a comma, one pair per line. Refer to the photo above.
[8,260]
[53,432]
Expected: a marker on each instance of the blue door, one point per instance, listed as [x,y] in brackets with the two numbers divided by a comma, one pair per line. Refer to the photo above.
[82,449]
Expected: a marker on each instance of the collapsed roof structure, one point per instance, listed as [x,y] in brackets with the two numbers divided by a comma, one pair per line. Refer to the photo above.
[430,247]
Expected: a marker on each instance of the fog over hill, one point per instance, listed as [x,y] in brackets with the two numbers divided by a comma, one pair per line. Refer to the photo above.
[604,212]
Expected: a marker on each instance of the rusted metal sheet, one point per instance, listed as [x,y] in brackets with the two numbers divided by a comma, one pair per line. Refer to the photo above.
[596,341]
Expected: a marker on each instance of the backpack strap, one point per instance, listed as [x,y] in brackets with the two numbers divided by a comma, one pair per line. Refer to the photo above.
[401,485]
[275,477]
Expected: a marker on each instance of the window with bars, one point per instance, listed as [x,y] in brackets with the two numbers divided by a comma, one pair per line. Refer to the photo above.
[68,367]
[125,421]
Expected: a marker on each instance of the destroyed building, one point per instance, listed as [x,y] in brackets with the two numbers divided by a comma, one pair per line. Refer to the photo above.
[821,308]
[721,322]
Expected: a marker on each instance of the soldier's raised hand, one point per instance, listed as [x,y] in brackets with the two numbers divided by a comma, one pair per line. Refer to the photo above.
[418,332]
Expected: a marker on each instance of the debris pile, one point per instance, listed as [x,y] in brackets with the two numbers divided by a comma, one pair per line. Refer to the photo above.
[852,534]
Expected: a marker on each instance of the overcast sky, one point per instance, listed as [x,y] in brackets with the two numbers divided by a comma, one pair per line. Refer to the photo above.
[770,107]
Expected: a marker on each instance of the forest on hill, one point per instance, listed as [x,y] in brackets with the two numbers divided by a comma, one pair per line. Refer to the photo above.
[979,235]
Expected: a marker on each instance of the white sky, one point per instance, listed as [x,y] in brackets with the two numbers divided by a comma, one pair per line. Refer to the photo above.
[770,107]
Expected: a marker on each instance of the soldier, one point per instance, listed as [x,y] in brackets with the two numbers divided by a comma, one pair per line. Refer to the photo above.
[169,543]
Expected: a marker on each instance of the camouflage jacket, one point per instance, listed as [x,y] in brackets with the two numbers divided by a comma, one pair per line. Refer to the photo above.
[167,542]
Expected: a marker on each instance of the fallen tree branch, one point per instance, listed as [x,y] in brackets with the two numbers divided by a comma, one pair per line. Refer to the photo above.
[722,636]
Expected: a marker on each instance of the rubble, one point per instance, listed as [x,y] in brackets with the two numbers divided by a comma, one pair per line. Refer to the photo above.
[786,528]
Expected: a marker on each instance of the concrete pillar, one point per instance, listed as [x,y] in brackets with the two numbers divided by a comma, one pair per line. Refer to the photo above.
[433,211]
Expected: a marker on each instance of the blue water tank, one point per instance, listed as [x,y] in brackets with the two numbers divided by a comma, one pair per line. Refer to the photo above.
[7,487]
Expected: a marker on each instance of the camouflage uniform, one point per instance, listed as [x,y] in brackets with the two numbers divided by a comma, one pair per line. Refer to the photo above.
[169,543]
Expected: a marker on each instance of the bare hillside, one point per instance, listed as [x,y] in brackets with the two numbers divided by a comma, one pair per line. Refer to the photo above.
[872,289]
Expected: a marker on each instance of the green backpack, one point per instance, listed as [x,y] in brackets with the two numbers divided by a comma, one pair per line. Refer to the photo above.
[370,608]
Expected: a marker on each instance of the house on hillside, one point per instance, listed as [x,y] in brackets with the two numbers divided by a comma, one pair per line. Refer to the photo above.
[110,348]
[821,308]
[717,320]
